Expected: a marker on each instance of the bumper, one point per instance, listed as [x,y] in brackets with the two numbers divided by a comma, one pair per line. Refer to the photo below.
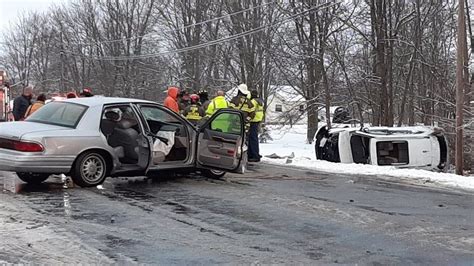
[36,163]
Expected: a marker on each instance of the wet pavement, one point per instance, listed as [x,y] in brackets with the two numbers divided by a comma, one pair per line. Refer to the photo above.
[270,215]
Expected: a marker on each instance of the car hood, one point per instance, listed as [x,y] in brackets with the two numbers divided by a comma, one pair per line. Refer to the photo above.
[15,130]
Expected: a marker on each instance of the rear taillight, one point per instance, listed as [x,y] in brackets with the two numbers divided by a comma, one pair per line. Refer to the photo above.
[28,146]
[22,146]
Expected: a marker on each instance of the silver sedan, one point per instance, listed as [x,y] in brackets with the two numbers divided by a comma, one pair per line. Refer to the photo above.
[92,138]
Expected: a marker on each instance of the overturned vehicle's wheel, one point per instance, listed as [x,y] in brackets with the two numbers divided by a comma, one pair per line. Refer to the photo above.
[214,174]
[89,170]
[33,178]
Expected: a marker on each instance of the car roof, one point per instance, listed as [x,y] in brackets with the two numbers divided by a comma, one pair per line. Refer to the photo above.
[100,100]
[391,132]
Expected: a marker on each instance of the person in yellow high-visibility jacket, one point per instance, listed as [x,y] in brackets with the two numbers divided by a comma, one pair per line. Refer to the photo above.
[243,103]
[254,149]
[222,122]
[219,102]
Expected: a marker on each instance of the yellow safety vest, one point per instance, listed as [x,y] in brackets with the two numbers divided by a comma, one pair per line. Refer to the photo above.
[193,113]
[258,111]
[217,103]
[243,105]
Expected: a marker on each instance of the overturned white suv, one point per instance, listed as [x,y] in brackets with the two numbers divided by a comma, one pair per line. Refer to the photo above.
[404,147]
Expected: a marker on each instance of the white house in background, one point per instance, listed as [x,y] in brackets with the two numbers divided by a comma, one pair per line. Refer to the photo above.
[285,105]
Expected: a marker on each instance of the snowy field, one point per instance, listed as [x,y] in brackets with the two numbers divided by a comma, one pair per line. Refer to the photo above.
[293,140]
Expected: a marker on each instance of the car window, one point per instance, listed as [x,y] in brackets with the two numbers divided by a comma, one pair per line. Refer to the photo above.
[157,114]
[59,113]
[227,123]
[392,152]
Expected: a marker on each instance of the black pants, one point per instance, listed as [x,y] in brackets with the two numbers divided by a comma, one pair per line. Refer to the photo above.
[254,150]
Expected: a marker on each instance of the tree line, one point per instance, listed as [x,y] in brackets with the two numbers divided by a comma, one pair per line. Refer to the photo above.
[391,62]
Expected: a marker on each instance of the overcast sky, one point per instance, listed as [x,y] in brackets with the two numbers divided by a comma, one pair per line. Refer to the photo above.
[10,9]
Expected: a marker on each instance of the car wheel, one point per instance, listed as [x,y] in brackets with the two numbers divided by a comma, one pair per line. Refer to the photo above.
[33,178]
[89,170]
[214,174]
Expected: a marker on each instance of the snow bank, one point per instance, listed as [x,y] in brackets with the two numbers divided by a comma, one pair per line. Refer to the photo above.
[293,140]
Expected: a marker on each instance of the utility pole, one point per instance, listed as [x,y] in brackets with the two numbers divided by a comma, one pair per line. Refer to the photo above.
[468,116]
[460,85]
[61,54]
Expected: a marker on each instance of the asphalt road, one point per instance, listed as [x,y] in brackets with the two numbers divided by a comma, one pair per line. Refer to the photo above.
[270,215]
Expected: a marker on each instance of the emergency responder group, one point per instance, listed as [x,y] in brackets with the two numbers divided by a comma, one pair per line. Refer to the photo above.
[197,107]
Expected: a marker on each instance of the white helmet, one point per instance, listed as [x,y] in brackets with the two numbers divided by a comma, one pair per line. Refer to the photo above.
[243,89]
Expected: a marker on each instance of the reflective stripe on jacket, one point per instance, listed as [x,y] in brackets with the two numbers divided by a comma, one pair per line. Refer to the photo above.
[193,112]
[243,104]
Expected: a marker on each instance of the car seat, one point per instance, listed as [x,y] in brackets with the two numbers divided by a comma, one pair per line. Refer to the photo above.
[107,126]
[109,122]
[125,136]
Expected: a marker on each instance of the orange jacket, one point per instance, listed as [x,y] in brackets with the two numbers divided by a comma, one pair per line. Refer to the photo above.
[171,101]
[33,108]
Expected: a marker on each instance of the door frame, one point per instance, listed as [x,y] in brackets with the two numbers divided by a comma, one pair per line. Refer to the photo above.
[142,133]
[188,127]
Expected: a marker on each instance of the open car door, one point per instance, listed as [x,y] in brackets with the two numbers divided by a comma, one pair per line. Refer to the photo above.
[221,142]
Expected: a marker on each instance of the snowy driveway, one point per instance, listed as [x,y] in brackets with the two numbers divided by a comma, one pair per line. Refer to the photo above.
[271,215]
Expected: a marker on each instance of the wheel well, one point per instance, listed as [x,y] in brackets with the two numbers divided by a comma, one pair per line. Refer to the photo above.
[108,158]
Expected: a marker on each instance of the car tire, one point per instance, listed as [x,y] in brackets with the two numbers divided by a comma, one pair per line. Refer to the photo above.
[33,178]
[214,174]
[89,170]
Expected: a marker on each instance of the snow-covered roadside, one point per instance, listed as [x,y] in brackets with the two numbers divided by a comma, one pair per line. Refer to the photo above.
[293,140]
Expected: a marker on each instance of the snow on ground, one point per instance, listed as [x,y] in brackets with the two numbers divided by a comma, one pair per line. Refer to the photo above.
[288,140]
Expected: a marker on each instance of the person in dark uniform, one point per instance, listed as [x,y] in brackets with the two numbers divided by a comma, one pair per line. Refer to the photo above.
[21,103]
[194,112]
[204,99]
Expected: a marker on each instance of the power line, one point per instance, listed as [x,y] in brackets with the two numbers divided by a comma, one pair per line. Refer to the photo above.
[210,43]
[182,28]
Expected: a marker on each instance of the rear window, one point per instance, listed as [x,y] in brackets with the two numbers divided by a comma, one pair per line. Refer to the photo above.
[59,113]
